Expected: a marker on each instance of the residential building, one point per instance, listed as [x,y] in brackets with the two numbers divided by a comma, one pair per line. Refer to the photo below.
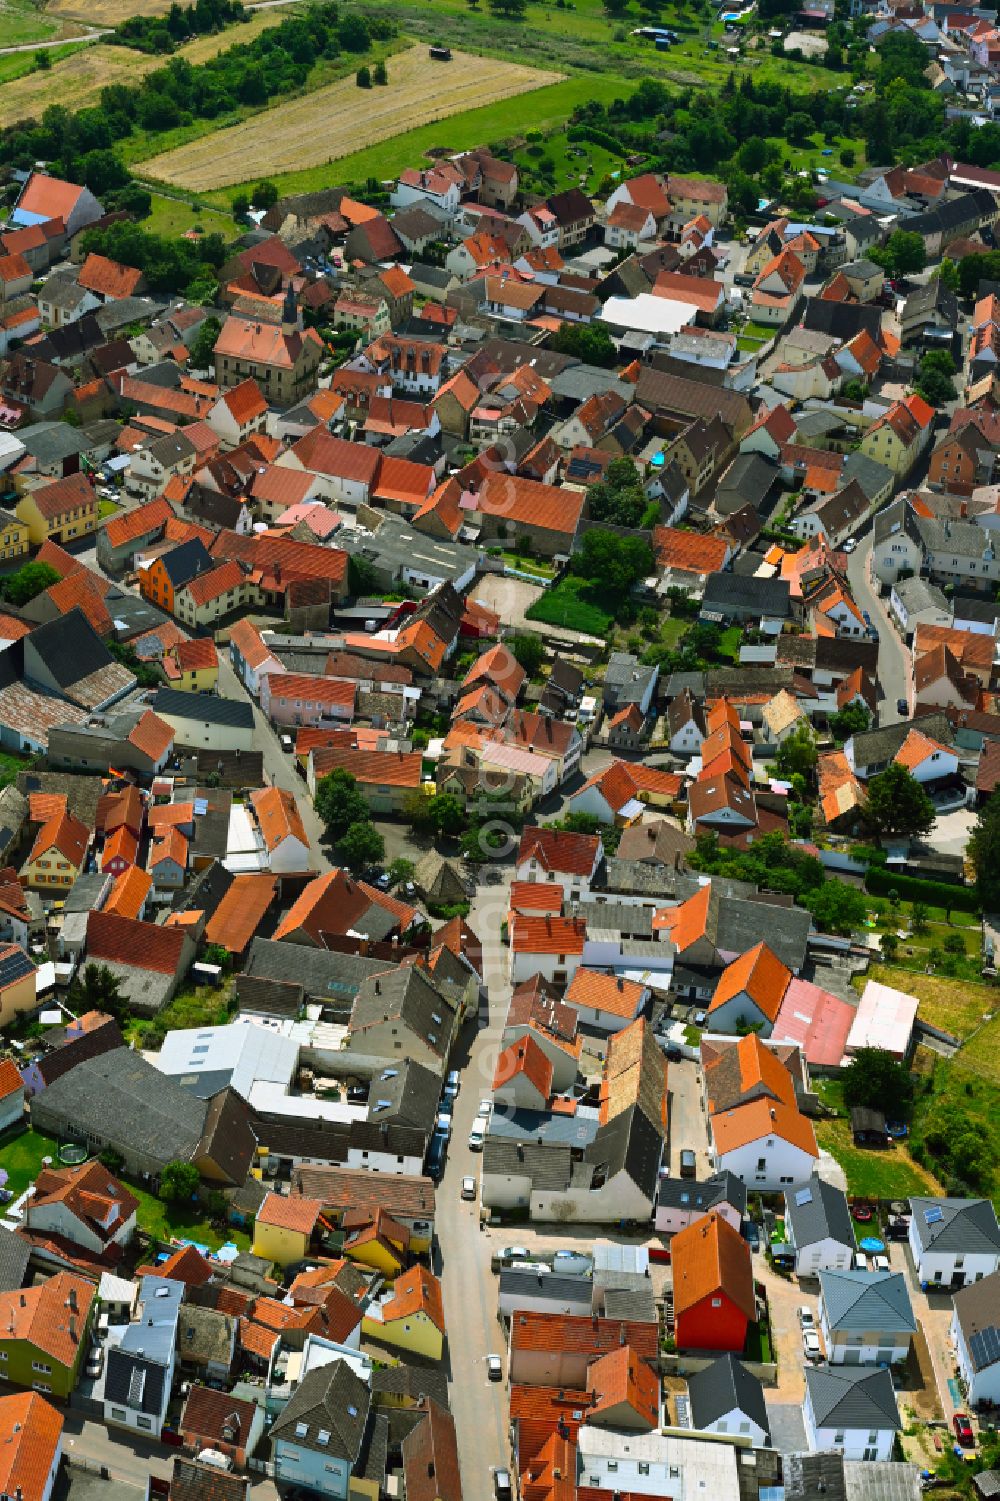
[284,1227]
[31,1446]
[866,1317]
[954,1241]
[851,1410]
[141,1359]
[713,1286]
[322,1438]
[410,1315]
[681,1201]
[44,1333]
[819,1228]
[280,357]
[60,511]
[725,1398]
[975,1333]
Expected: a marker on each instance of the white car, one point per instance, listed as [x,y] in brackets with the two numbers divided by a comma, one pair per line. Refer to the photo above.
[468,1188]
[494,1367]
[811,1344]
[850,544]
[881,1264]
[485,1109]
[806,1317]
[477,1136]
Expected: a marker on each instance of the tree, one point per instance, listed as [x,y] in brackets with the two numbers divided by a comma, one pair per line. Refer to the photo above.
[797,753]
[873,1079]
[339,803]
[853,719]
[984,851]
[179,1182]
[240,205]
[837,907]
[379,74]
[21,587]
[400,870]
[903,253]
[613,563]
[528,650]
[43,61]
[203,344]
[97,989]
[955,944]
[362,845]
[948,275]
[587,342]
[511,10]
[363,77]
[798,128]
[443,814]
[264,195]
[920,915]
[934,378]
[897,804]
[889,943]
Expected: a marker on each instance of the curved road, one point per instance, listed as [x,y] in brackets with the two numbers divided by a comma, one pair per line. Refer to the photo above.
[893,657]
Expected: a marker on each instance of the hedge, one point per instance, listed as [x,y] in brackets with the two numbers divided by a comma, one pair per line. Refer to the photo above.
[880,882]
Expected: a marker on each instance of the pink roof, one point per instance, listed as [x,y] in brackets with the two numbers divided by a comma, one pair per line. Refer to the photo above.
[815,1021]
[320,520]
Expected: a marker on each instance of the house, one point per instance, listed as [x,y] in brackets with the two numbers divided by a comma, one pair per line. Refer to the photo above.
[44,199]
[866,1317]
[280,357]
[163,577]
[975,1333]
[725,1398]
[409,1315]
[284,1227]
[605,1002]
[58,854]
[522,1078]
[507,506]
[555,855]
[31,1446]
[335,903]
[713,1286]
[238,413]
[681,1201]
[898,437]
[11,1095]
[954,1242]
[320,1437]
[18,981]
[819,1228]
[403,1012]
[282,832]
[80,1209]
[61,511]
[293,698]
[201,721]
[141,1359]
[44,1333]
[431,1470]
[745,599]
[749,992]
[852,1410]
[212,1419]
[557,1350]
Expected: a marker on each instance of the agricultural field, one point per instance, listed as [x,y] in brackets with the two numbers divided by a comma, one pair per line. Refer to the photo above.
[956,1006]
[331,123]
[25,21]
[76,81]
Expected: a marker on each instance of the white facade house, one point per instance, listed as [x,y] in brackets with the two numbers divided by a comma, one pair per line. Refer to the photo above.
[679,1202]
[561,858]
[769,1146]
[851,1410]
[954,1241]
[141,1358]
[975,1333]
[819,1227]
[726,1398]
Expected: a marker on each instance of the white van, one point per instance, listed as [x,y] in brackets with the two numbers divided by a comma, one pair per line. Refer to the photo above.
[477,1136]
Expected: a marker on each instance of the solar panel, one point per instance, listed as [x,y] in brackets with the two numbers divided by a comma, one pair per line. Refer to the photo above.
[804,1196]
[984,1347]
[934,1215]
[201,806]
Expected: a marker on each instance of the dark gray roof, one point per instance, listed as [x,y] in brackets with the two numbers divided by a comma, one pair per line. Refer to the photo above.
[749,478]
[842,320]
[809,1476]
[881,1480]
[408,997]
[550,1130]
[14,1253]
[860,1301]
[134,1381]
[876,747]
[516,1281]
[820,1216]
[231,712]
[406,1093]
[723,1188]
[636,1305]
[49,442]
[545,1167]
[977,1309]
[726,591]
[738,925]
[852,1397]
[629,1143]
[323,974]
[870,475]
[966,1226]
[410,1381]
[722,1386]
[70,648]
[120,1092]
[332,1401]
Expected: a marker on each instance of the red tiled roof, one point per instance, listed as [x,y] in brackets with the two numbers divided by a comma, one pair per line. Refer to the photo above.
[559,851]
[10,1079]
[547,935]
[241,911]
[140,945]
[108,278]
[30,1436]
[609,993]
[526,1058]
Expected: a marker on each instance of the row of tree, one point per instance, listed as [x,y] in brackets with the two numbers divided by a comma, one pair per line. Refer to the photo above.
[161,34]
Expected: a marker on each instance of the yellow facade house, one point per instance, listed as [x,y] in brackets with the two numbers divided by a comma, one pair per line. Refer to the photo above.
[58,854]
[284,1228]
[18,977]
[14,537]
[60,511]
[411,1316]
[376,1240]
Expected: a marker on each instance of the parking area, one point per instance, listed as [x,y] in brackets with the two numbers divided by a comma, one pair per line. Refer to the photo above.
[688,1122]
[784,1297]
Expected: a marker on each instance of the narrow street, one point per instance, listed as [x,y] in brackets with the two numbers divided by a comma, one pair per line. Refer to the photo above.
[470,1289]
[893,657]
[128,1458]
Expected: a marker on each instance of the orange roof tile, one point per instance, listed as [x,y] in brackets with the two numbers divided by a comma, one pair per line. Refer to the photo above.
[290,1212]
[42,1316]
[151,735]
[10,1079]
[620,1378]
[609,993]
[559,851]
[732,1129]
[547,935]
[241,911]
[916,749]
[129,892]
[526,1058]
[143,945]
[536,896]
[30,1436]
[416,1291]
[63,833]
[759,974]
[710,1257]
[108,278]
[278,816]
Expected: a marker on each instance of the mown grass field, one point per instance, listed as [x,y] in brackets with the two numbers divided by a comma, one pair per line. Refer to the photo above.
[574,604]
[25,21]
[328,124]
[76,81]
[883,1175]
[577,164]
[956,1006]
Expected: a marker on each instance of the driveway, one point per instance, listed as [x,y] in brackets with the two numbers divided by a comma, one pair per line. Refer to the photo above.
[784,1297]
[893,658]
[788,1430]
[688,1121]
[950,835]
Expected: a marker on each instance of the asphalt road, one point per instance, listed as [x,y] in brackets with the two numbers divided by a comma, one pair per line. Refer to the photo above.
[893,657]
[480,1407]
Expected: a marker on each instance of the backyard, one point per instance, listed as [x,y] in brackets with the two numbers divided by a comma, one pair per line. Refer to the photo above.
[575,604]
[957,1006]
[184,1222]
[883,1175]
[21,1154]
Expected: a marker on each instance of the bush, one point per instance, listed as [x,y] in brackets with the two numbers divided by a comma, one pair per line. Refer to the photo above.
[910,889]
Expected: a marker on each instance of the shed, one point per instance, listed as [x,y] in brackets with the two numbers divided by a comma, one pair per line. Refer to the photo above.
[868,1127]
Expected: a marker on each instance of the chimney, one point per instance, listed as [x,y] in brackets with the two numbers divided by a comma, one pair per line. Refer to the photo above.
[71,1300]
[72,1328]
[24,1303]
[430,1469]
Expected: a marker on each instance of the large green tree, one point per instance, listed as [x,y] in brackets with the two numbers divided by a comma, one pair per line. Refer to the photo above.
[611,562]
[95,988]
[875,1080]
[984,851]
[179,1182]
[897,804]
[362,845]
[339,802]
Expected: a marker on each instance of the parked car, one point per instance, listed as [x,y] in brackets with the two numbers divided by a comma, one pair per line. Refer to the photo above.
[501,1484]
[963,1430]
[494,1367]
[811,1345]
[514,1253]
[806,1317]
[477,1136]
[881,1264]
[751,1234]
[451,1083]
[902,707]
[443,1124]
[95,1361]
[468,1188]
[485,1108]
[689,1164]
[850,544]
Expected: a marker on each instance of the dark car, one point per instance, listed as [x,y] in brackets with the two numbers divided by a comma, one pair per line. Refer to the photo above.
[674,1055]
[897,1229]
[902,707]
[751,1234]
[963,1430]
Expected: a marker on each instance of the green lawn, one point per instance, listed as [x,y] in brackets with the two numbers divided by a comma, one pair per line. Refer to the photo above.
[11,766]
[963,1093]
[165,1221]
[107,507]
[21,1157]
[16,64]
[529,565]
[572,161]
[23,21]
[170,216]
[883,1175]
[573,604]
[673,630]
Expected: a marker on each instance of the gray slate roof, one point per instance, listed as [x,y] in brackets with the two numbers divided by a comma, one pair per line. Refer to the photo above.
[723,1188]
[852,1397]
[14,1253]
[330,1400]
[722,1386]
[977,1309]
[824,1215]
[229,712]
[966,1226]
[860,1301]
